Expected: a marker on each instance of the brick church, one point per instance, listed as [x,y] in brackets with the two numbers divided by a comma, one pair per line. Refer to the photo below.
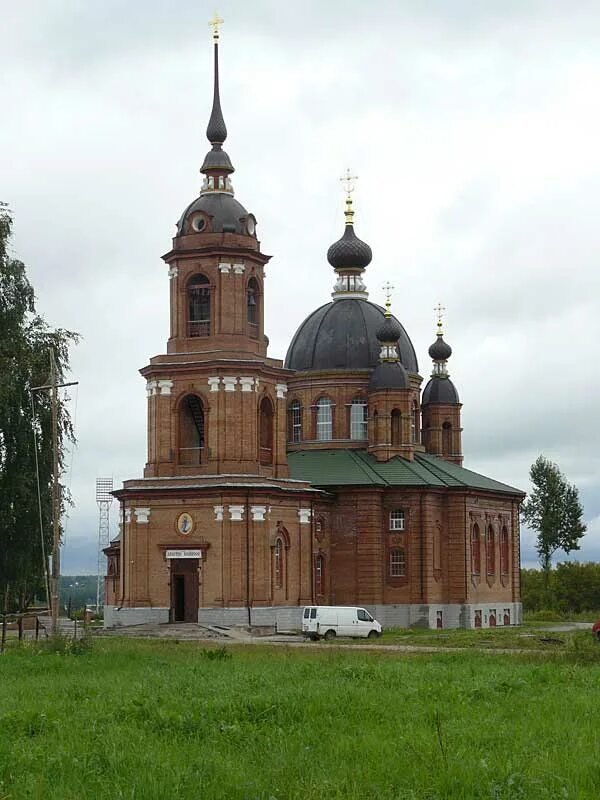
[330,478]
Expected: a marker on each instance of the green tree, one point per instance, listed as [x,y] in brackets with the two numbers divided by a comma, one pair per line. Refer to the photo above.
[554,512]
[25,344]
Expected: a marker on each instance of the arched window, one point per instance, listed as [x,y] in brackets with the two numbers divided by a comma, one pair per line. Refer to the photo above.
[397,563]
[358,418]
[278,555]
[324,419]
[396,428]
[446,439]
[437,546]
[198,292]
[490,551]
[252,307]
[475,550]
[319,574]
[191,430]
[504,551]
[376,426]
[295,422]
[266,431]
[415,423]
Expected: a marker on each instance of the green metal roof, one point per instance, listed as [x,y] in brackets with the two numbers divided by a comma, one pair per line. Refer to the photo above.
[327,468]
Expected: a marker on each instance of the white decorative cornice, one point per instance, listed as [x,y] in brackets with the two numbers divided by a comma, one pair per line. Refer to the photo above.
[246,384]
[236,513]
[141,515]
[218,513]
[165,386]
[281,389]
[214,383]
[304,515]
[151,387]
[224,268]
[229,383]
[258,513]
[173,272]
[239,269]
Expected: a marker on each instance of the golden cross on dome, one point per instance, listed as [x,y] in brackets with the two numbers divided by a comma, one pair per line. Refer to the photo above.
[439,310]
[215,22]
[349,179]
[388,288]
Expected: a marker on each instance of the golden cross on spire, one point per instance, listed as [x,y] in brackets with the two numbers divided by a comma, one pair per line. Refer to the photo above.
[439,310]
[349,179]
[215,22]
[388,288]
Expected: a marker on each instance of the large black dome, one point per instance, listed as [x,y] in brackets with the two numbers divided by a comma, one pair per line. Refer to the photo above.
[225,212]
[342,335]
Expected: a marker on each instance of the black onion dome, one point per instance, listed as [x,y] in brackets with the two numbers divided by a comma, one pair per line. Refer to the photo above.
[226,214]
[342,335]
[389,331]
[440,390]
[349,251]
[439,350]
[388,375]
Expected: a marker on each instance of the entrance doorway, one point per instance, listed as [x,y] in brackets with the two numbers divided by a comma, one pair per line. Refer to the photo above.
[184,589]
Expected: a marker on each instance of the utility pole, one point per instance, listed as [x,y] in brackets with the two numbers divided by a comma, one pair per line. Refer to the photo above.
[54,386]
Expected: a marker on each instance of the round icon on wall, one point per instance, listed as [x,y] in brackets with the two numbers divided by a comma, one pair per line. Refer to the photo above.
[185,523]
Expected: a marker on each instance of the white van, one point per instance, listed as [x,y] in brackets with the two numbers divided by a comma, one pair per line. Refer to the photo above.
[327,622]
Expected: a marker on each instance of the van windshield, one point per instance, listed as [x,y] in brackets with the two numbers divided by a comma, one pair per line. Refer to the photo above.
[363,615]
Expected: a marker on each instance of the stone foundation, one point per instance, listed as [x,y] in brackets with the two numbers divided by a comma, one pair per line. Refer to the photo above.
[115,617]
[288,618]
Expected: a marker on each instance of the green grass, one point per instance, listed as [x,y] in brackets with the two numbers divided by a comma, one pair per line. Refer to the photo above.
[155,719]
[526,637]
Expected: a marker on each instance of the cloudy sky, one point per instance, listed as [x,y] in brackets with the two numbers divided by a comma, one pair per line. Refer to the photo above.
[473,128]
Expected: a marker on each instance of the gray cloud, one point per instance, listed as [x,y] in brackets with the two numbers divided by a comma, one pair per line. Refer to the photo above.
[474,132]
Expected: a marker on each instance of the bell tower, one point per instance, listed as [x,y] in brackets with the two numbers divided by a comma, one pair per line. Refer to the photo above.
[215,265]
[216,402]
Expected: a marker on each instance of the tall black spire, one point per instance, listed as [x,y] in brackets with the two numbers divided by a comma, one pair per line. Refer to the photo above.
[216,131]
[217,164]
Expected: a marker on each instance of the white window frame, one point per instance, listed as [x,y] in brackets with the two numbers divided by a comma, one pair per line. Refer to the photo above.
[359,430]
[397,520]
[324,419]
[398,565]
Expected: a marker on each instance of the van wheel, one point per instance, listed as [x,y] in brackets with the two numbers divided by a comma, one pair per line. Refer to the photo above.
[373,635]
[329,635]
[313,637]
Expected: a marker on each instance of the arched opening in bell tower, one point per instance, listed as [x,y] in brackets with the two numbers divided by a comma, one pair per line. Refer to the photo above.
[265,428]
[252,307]
[446,439]
[191,430]
[198,295]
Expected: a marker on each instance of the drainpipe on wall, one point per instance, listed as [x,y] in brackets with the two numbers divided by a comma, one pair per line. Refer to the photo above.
[248,559]
[422,551]
[312,555]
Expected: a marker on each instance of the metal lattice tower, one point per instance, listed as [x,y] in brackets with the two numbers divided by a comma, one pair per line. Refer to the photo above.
[104,499]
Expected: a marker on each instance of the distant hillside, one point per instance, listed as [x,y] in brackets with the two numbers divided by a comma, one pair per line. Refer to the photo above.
[80,588]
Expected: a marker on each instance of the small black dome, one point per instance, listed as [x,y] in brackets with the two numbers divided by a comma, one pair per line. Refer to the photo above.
[217,159]
[439,350]
[389,331]
[349,251]
[388,375]
[342,335]
[224,210]
[440,390]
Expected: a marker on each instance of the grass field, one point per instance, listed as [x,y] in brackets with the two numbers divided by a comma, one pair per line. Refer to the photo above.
[155,719]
